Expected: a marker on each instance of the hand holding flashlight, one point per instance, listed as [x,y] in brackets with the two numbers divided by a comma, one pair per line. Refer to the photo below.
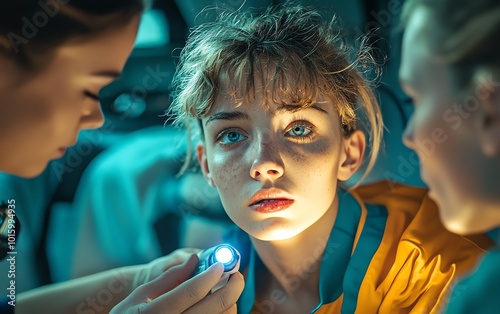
[192,295]
[223,253]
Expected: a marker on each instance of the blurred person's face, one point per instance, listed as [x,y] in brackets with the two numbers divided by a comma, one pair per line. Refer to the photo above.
[451,132]
[42,114]
[276,171]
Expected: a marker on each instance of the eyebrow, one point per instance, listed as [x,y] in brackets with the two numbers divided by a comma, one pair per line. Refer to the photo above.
[233,115]
[239,115]
[286,108]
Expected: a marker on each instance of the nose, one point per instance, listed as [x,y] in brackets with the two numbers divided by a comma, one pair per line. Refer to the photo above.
[408,139]
[92,117]
[267,163]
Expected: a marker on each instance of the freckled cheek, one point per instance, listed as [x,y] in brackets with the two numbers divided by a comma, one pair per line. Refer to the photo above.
[226,170]
[315,161]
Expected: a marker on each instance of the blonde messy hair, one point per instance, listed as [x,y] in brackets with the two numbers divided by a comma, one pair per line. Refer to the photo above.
[306,53]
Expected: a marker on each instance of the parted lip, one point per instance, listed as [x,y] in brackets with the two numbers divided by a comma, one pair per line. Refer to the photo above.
[269,194]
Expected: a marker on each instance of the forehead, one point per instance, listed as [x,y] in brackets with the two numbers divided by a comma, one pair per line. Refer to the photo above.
[416,55]
[267,85]
[106,50]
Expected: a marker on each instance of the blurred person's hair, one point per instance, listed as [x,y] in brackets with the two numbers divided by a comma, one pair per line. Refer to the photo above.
[35,28]
[465,36]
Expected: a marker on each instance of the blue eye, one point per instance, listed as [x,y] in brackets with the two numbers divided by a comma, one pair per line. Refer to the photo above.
[299,130]
[230,137]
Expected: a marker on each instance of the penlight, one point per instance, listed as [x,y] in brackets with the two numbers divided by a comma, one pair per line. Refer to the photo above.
[222,253]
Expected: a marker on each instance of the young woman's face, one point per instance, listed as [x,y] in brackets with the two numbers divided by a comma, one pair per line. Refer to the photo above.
[445,133]
[41,115]
[276,171]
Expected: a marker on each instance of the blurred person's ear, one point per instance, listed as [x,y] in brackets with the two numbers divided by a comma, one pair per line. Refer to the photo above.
[352,155]
[202,160]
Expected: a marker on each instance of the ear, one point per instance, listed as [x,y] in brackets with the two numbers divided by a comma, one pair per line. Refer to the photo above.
[352,155]
[202,160]
[489,118]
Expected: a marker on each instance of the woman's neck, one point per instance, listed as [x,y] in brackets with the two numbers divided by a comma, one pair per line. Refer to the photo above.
[294,264]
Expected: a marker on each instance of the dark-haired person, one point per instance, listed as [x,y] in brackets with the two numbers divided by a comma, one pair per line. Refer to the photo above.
[55,56]
[451,69]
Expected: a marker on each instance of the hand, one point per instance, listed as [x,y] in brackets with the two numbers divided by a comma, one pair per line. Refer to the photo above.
[175,292]
[155,268]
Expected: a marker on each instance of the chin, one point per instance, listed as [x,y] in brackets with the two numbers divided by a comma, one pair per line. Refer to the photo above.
[278,234]
[462,226]
[466,216]
[456,227]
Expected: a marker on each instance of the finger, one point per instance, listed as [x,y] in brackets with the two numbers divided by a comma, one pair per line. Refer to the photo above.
[170,279]
[173,277]
[139,299]
[161,264]
[188,293]
[221,300]
[181,254]
[232,310]
[177,257]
